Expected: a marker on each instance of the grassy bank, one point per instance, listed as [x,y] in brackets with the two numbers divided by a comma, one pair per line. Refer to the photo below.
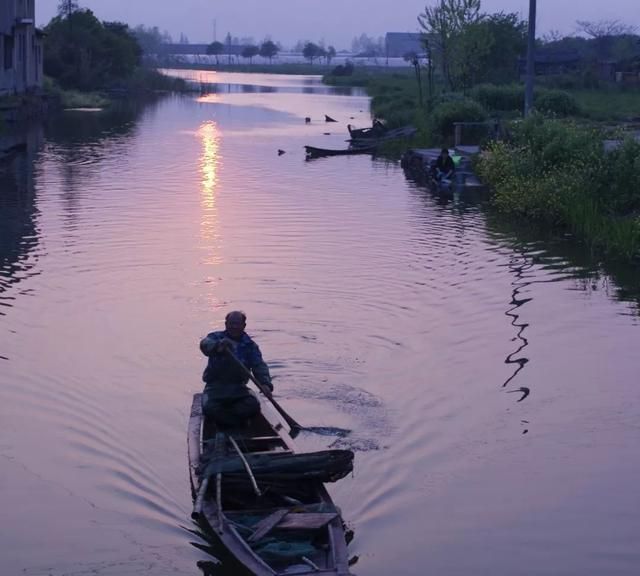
[143,82]
[552,168]
[558,173]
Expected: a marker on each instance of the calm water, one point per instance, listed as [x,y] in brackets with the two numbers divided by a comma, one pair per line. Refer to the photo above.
[411,319]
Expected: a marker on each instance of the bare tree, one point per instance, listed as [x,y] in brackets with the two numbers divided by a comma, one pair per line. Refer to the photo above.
[552,36]
[604,28]
[67,7]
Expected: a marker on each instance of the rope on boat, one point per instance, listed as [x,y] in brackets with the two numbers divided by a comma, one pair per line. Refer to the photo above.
[246,466]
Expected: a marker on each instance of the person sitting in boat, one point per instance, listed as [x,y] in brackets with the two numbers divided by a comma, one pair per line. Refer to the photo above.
[378,127]
[226,398]
[443,167]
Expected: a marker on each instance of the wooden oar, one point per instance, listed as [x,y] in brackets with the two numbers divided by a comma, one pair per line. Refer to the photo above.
[295,427]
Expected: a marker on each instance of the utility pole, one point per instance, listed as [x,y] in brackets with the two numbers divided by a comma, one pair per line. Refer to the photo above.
[215,36]
[531,62]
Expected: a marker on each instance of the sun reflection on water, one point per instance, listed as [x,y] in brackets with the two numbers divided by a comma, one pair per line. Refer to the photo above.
[209,135]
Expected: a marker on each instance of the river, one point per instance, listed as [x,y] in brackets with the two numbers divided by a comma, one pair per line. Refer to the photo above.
[411,319]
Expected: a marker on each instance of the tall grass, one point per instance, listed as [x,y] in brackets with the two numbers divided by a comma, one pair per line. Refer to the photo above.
[558,173]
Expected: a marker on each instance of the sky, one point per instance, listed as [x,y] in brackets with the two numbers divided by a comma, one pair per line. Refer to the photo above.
[336,22]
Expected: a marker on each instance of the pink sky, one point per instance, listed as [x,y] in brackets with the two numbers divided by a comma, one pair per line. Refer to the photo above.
[334,21]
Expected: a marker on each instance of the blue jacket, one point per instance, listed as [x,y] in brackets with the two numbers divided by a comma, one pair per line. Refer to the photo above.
[222,377]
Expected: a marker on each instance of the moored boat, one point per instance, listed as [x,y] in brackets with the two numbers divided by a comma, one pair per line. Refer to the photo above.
[265,504]
[315,152]
[371,136]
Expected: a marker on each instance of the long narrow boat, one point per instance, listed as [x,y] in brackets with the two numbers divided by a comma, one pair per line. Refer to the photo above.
[315,152]
[266,505]
[372,137]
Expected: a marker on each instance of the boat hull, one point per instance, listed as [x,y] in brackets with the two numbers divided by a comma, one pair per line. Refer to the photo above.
[229,509]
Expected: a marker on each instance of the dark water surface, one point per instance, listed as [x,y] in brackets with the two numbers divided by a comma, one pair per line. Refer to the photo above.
[411,319]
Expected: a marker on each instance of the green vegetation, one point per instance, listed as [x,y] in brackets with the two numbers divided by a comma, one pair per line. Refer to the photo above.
[558,172]
[87,60]
[608,104]
[83,53]
[74,98]
[468,46]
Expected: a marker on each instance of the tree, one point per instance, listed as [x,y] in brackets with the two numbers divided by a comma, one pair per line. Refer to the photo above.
[67,7]
[250,51]
[151,39]
[364,45]
[269,49]
[331,54]
[215,49]
[605,34]
[228,41]
[445,24]
[604,28]
[508,41]
[311,51]
[83,53]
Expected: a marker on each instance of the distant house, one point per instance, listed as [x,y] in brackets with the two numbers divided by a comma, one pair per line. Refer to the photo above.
[398,44]
[20,47]
[547,64]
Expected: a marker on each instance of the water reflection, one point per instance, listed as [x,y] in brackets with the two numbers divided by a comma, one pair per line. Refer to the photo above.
[519,265]
[19,233]
[211,82]
[565,257]
[209,163]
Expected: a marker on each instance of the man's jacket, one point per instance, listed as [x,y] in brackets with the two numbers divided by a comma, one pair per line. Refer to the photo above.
[222,377]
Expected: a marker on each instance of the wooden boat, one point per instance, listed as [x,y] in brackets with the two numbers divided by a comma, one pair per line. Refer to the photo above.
[315,152]
[380,137]
[265,504]
[378,129]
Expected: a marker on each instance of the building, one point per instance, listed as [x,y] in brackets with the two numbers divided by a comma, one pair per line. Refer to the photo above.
[20,47]
[552,63]
[399,44]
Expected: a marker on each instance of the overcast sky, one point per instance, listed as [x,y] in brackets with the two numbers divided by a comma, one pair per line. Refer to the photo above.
[334,21]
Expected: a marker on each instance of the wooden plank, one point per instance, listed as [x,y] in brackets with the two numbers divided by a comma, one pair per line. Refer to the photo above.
[194,440]
[267,524]
[306,520]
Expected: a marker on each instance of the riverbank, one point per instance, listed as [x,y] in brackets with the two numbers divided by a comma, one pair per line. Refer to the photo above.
[560,173]
[554,168]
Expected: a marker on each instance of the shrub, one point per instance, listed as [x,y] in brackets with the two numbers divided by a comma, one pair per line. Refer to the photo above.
[557,172]
[446,114]
[504,98]
[622,181]
[343,70]
[556,102]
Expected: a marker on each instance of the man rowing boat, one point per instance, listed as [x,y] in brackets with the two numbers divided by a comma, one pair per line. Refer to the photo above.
[226,398]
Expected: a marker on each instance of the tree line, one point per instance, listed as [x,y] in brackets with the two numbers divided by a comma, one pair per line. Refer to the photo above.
[269,50]
[468,46]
